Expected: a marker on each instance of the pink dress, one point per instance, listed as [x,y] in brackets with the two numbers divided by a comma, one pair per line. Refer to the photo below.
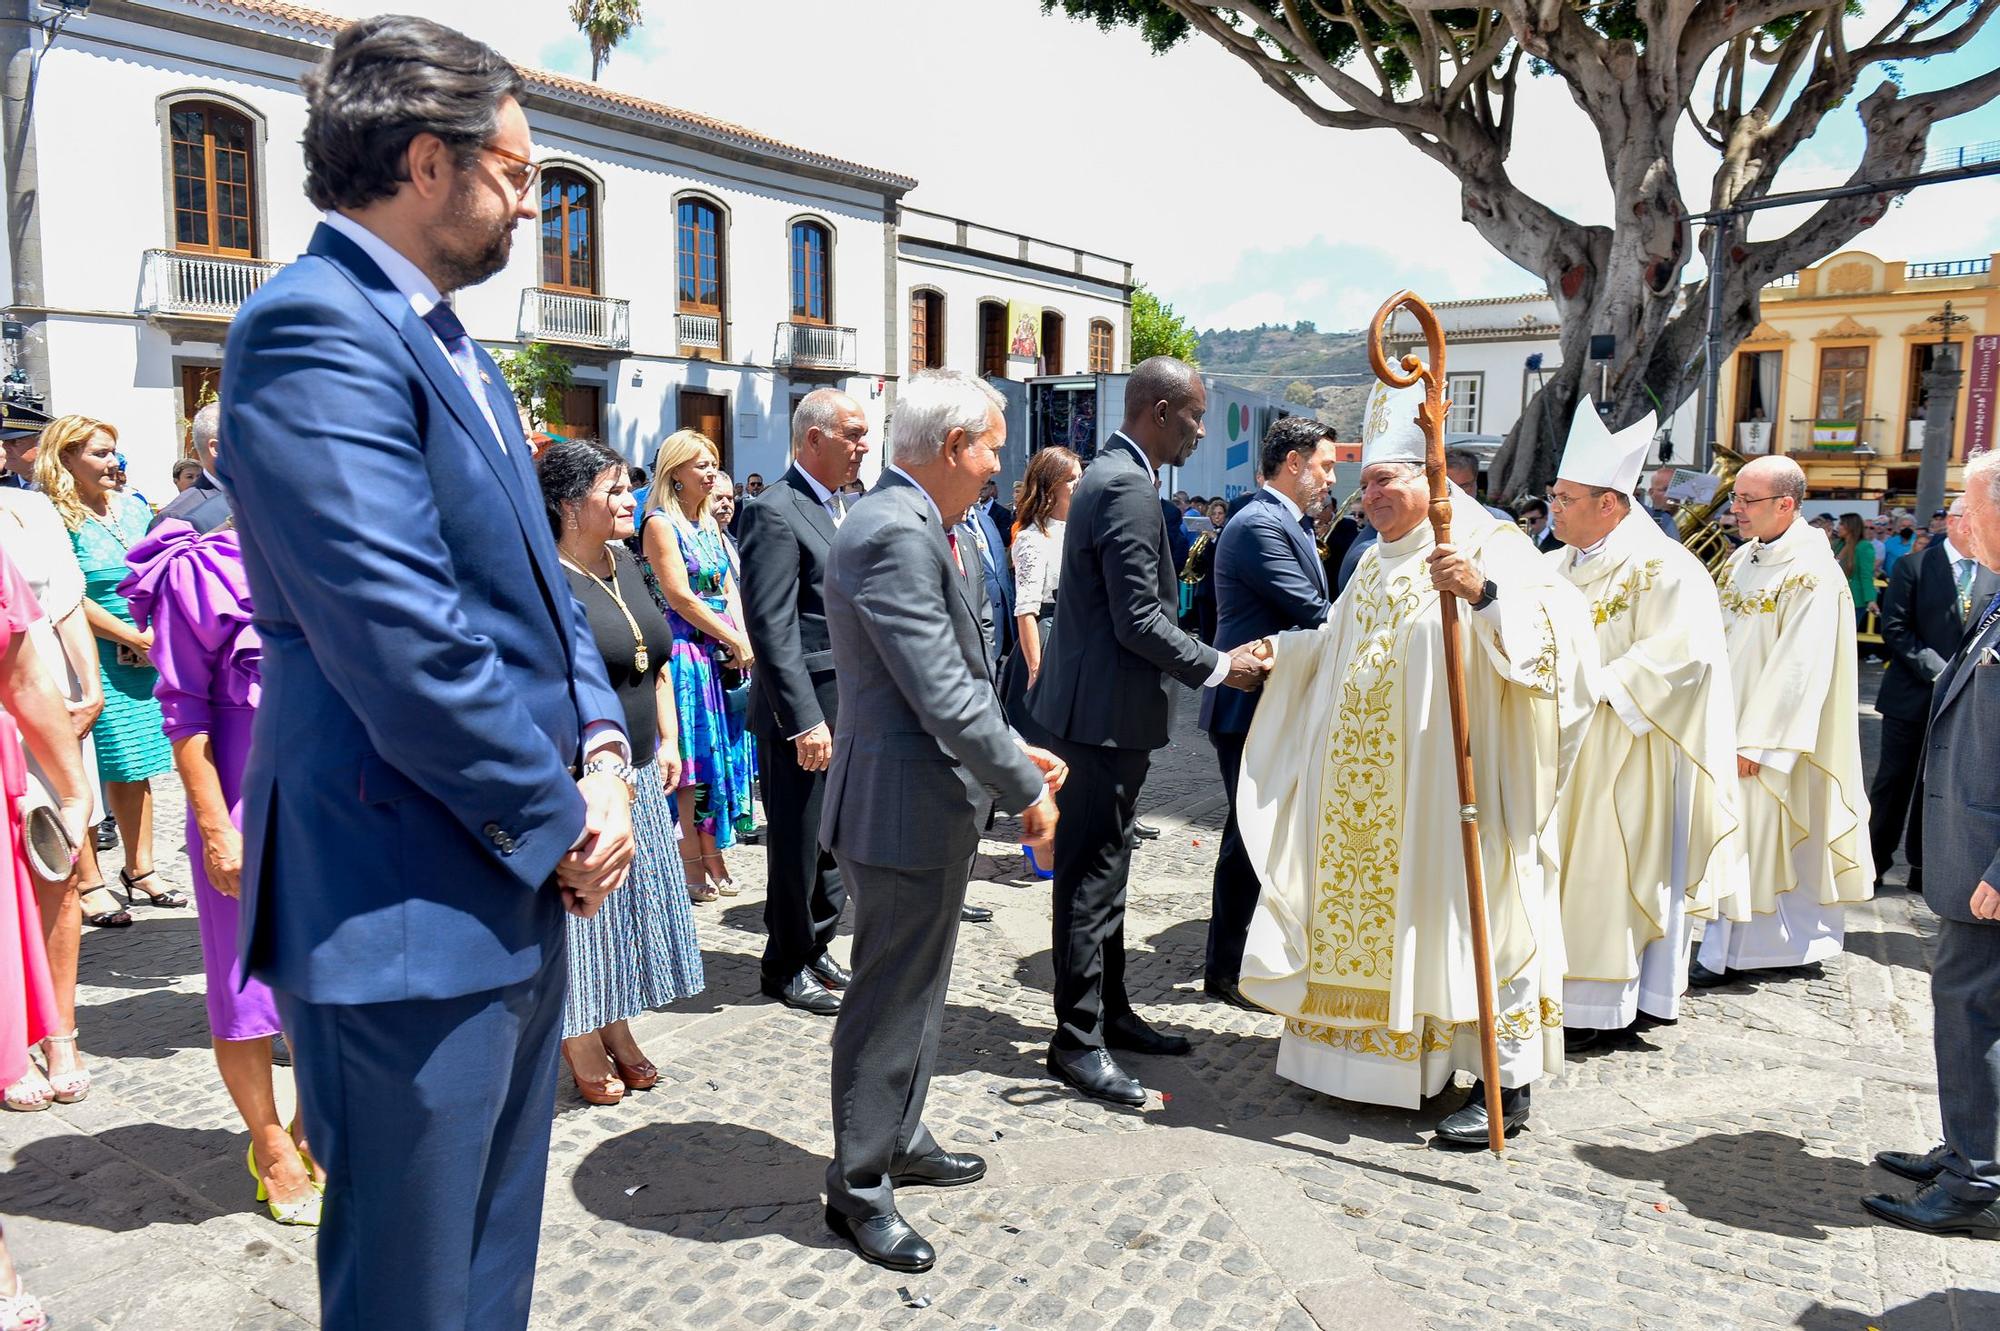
[29,1013]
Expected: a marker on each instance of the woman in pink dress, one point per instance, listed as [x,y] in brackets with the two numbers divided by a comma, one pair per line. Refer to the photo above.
[35,715]
[190,591]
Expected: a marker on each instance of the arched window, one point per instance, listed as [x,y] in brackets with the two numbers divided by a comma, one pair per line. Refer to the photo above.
[1052,342]
[214,180]
[569,232]
[992,338]
[700,257]
[926,330]
[1100,346]
[811,297]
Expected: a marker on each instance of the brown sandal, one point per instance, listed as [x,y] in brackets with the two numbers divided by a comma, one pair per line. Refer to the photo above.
[595,1092]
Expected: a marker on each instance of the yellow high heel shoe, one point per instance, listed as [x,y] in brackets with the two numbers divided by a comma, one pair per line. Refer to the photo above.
[285,1213]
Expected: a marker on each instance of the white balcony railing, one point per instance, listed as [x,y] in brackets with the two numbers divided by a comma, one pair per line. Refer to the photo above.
[199,286]
[815,347]
[583,321]
[699,330]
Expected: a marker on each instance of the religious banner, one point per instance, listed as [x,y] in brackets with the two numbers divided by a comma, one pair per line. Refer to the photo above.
[1024,330]
[1982,394]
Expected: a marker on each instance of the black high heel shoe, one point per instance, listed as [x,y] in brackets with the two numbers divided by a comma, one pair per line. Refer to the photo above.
[171,899]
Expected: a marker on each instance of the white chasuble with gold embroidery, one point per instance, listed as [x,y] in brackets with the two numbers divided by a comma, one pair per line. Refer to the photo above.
[1349,808]
[1648,818]
[1789,618]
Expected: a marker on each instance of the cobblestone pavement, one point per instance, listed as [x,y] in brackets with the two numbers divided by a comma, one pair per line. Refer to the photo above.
[1697,1175]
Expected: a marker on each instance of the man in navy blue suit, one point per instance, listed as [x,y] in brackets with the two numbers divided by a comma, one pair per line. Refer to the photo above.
[436,772]
[1268,579]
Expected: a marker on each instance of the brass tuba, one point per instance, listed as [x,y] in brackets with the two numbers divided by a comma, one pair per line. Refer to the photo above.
[1701,534]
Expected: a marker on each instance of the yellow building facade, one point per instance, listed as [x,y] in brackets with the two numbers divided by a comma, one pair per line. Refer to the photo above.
[1833,375]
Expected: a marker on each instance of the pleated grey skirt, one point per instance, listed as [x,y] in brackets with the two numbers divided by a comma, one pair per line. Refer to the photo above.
[639,951]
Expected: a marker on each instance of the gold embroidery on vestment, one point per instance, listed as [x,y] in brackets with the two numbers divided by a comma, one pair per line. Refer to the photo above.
[1608,608]
[1432,1037]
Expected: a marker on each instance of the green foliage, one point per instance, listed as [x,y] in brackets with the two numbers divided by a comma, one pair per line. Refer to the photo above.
[606,23]
[1158,331]
[1299,393]
[537,375]
[1304,327]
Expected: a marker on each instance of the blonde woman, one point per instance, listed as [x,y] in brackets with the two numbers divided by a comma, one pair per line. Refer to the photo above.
[76,467]
[692,575]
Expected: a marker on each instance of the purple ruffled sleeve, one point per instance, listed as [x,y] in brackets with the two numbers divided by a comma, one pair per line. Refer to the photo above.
[191,591]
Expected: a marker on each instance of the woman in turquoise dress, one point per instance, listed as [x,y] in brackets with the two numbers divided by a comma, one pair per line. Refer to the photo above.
[688,567]
[76,467]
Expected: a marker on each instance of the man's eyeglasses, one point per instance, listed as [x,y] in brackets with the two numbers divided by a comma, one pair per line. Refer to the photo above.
[1760,499]
[523,175]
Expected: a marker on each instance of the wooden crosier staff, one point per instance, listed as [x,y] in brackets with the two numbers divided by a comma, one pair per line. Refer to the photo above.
[1432,417]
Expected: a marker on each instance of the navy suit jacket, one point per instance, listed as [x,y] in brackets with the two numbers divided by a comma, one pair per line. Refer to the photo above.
[202,506]
[427,674]
[1268,579]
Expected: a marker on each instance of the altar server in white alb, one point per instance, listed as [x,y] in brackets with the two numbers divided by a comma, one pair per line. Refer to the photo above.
[1349,807]
[1648,820]
[1804,806]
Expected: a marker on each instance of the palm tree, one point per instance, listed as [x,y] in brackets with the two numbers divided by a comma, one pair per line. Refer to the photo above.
[606,23]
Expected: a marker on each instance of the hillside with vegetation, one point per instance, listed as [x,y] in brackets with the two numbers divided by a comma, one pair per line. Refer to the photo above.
[1291,361]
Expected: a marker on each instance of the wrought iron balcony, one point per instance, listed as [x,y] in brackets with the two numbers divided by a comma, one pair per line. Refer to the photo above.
[581,321]
[816,347]
[174,285]
[1949,268]
[702,331]
[1862,438]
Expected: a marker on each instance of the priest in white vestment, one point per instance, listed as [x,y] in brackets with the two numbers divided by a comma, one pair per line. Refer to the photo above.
[1349,806]
[1648,818]
[1790,623]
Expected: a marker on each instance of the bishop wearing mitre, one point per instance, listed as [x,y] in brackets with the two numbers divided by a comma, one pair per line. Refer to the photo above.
[1789,618]
[1648,817]
[1349,807]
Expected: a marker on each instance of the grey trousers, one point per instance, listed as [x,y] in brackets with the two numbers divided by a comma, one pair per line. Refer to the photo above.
[885,1040]
[1965,992]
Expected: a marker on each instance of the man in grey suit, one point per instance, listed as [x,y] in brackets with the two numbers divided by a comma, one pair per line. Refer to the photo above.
[203,505]
[1103,694]
[921,751]
[1959,795]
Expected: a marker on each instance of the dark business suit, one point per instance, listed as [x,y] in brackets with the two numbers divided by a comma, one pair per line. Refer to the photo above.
[786,538]
[1103,696]
[427,681]
[1002,518]
[1960,792]
[203,506]
[923,752]
[987,558]
[1922,623]
[1268,579]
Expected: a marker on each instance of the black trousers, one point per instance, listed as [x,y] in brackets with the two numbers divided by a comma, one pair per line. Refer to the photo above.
[1233,895]
[804,898]
[1896,770]
[1097,807]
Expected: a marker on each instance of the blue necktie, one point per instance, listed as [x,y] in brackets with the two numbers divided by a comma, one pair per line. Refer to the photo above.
[444,321]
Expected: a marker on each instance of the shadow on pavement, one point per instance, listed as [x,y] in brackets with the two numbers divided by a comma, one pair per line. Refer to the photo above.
[1889,949]
[154,1023]
[1945,1311]
[672,1178]
[1761,1181]
[110,1181]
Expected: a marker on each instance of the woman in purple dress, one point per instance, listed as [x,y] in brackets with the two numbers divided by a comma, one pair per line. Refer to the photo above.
[190,590]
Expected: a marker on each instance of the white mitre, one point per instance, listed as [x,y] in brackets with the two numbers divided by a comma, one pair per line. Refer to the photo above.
[1390,431]
[1596,456]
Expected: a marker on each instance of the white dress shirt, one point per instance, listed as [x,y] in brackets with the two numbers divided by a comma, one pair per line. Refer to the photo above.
[835,507]
[1221,671]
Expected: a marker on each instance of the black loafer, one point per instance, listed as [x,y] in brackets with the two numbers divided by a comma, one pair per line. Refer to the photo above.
[105,836]
[1576,1039]
[1916,1168]
[1092,1072]
[1222,991]
[939,1169]
[1145,831]
[1135,1036]
[1701,977]
[829,972]
[804,992]
[886,1240]
[974,914]
[1468,1127]
[1935,1211]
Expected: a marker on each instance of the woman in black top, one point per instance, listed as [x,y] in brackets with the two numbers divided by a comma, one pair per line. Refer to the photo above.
[639,950]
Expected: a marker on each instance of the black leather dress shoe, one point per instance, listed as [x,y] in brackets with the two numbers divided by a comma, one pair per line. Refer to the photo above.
[1576,1039]
[1917,1168]
[1135,1036]
[1144,831]
[1935,1211]
[1701,977]
[829,972]
[1222,991]
[886,1240]
[939,1169]
[106,834]
[1467,1127]
[1092,1072]
[804,992]
[974,914]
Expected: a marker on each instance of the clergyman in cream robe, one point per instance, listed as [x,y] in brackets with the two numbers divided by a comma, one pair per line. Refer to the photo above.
[1789,618]
[1349,807]
[1648,820]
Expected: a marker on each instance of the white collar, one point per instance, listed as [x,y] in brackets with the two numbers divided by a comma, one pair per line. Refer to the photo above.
[405,276]
[1591,552]
[1298,514]
[1137,452]
[920,490]
[825,495]
[1954,554]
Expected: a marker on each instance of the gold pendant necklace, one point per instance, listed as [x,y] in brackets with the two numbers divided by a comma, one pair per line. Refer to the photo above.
[642,660]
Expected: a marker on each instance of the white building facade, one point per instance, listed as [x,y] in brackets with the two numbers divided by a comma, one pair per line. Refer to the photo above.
[693,273]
